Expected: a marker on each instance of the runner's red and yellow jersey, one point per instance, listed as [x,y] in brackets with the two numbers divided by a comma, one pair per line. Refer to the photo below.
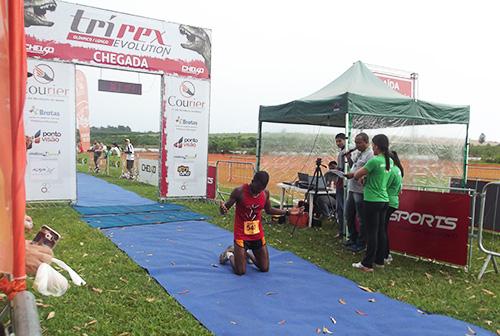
[248,216]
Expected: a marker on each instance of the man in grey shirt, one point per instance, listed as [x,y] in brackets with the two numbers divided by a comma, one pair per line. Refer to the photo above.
[354,205]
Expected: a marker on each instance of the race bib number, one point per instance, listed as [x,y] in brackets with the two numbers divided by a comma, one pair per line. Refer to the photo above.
[251,227]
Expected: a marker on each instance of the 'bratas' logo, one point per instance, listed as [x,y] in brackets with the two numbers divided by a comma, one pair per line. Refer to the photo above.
[187,89]
[43,73]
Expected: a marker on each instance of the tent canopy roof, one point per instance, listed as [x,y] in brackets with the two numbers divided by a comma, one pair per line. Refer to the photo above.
[359,92]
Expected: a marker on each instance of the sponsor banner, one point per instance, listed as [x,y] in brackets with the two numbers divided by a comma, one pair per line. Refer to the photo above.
[211,182]
[76,33]
[49,120]
[431,225]
[187,104]
[399,84]
[148,171]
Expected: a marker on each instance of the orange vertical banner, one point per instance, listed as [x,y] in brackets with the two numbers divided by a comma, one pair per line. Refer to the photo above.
[82,109]
[6,237]
[13,164]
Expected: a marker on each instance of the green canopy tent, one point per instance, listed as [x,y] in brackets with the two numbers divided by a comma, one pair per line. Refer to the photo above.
[359,99]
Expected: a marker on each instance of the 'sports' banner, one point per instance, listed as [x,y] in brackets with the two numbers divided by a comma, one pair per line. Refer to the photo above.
[431,225]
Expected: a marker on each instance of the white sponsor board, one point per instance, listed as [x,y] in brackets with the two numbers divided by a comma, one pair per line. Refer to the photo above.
[148,171]
[77,33]
[49,121]
[187,118]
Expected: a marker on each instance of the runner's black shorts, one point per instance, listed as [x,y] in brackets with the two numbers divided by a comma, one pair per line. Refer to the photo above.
[250,244]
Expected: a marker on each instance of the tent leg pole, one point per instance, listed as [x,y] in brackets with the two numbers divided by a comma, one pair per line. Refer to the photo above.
[348,138]
[259,145]
[466,155]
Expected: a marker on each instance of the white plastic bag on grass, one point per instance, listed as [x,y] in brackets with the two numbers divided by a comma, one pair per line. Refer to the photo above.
[48,281]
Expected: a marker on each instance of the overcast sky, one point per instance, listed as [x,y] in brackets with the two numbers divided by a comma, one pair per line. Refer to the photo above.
[271,52]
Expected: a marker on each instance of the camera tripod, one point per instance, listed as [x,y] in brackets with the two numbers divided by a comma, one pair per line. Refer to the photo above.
[314,185]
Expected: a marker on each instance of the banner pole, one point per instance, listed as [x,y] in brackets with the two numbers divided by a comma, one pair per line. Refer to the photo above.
[259,144]
[466,155]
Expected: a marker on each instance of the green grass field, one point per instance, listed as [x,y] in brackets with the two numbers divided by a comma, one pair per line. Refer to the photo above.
[121,299]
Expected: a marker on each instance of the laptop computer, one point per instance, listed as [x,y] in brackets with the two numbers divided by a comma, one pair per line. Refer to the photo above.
[305,181]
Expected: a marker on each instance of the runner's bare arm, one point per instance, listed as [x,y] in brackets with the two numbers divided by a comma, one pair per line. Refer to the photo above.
[270,210]
[233,198]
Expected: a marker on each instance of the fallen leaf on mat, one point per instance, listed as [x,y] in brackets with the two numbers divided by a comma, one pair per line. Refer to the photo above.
[282,322]
[172,263]
[51,315]
[371,300]
[214,265]
[360,312]
[184,291]
[90,323]
[318,330]
[429,276]
[421,312]
[233,322]
[270,293]
[289,262]
[150,300]
[342,301]
[97,290]
[149,255]
[488,292]
[366,289]
[334,321]
[326,331]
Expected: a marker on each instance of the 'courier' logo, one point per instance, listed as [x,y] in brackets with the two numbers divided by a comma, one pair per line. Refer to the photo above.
[184,170]
[43,74]
[428,220]
[187,89]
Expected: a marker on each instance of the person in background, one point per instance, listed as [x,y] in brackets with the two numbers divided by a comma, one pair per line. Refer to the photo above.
[115,151]
[394,187]
[354,204]
[339,185]
[326,203]
[129,150]
[376,199]
[97,150]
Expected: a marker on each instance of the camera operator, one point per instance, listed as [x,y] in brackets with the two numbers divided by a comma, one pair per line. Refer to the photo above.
[326,203]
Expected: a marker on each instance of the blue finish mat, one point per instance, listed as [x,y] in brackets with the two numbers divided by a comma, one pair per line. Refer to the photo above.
[92,191]
[124,209]
[142,218]
[294,298]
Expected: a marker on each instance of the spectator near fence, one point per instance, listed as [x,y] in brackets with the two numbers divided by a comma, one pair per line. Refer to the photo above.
[129,150]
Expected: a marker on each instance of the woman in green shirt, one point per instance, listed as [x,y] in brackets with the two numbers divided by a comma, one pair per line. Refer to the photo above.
[394,186]
[376,199]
